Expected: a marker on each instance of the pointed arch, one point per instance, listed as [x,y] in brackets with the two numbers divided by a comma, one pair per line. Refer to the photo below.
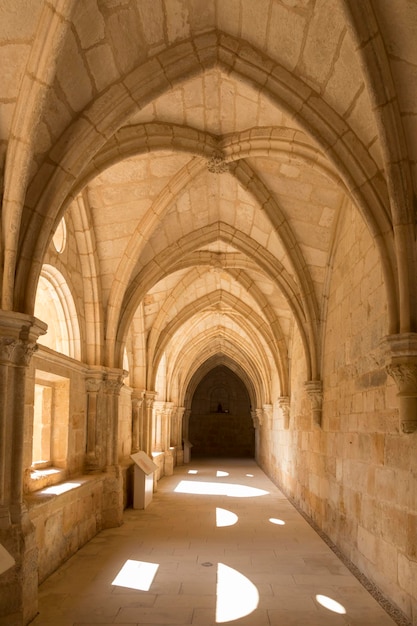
[109,112]
[170,260]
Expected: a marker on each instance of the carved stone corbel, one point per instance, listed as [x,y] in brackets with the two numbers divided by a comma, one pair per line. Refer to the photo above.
[314,390]
[401,365]
[257,418]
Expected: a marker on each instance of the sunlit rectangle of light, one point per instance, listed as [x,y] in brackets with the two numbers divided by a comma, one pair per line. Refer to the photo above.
[56,490]
[136,575]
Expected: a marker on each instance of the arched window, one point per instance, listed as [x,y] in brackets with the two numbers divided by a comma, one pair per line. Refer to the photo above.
[55,305]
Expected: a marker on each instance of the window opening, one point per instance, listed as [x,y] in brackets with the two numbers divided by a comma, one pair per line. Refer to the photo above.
[50,421]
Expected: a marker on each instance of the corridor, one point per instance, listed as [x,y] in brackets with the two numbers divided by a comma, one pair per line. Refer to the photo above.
[219,543]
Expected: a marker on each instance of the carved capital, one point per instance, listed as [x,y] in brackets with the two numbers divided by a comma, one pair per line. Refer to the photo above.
[93,385]
[257,418]
[149,398]
[159,407]
[114,385]
[180,412]
[16,351]
[284,405]
[314,390]
[137,402]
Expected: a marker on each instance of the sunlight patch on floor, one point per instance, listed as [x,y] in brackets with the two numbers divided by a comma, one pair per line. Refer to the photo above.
[225,518]
[279,522]
[218,489]
[136,575]
[237,596]
[330,604]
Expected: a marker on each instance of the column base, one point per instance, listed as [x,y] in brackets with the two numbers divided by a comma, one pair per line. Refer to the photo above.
[19,583]
[112,513]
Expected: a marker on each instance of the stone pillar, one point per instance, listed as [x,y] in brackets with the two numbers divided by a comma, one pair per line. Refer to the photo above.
[137,402]
[157,421]
[315,392]
[166,438]
[186,423]
[176,433]
[149,398]
[187,443]
[284,405]
[113,385]
[94,453]
[401,364]
[112,513]
[19,584]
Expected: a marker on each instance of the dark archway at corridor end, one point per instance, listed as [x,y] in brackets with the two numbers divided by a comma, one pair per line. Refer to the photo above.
[220,422]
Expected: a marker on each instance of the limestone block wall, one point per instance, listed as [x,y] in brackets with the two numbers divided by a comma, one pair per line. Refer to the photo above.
[356,475]
[65,521]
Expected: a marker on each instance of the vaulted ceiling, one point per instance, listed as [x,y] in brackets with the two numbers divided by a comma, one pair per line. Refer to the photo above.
[210,149]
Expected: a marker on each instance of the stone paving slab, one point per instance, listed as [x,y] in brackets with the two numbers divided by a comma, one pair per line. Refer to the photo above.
[253,571]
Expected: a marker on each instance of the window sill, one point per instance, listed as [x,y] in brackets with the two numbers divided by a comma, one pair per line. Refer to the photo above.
[40,478]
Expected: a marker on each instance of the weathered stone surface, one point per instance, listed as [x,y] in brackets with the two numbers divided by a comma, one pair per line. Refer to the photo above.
[188,186]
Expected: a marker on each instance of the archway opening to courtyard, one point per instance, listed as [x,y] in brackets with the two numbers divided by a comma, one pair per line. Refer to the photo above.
[220,421]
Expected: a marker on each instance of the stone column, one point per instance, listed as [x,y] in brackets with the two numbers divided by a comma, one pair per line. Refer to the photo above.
[176,433]
[315,392]
[137,402]
[401,363]
[113,385]
[94,452]
[187,443]
[157,420]
[19,584]
[112,513]
[149,398]
[284,405]
[166,438]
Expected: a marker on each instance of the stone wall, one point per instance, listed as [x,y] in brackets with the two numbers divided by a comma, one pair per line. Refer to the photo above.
[353,476]
[67,505]
[65,520]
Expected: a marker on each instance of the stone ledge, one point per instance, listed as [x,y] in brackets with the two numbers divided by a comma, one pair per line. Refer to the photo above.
[60,489]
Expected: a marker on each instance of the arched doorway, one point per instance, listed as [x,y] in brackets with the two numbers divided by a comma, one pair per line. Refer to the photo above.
[220,422]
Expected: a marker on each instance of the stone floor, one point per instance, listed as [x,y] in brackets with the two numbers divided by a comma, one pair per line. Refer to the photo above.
[219,543]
